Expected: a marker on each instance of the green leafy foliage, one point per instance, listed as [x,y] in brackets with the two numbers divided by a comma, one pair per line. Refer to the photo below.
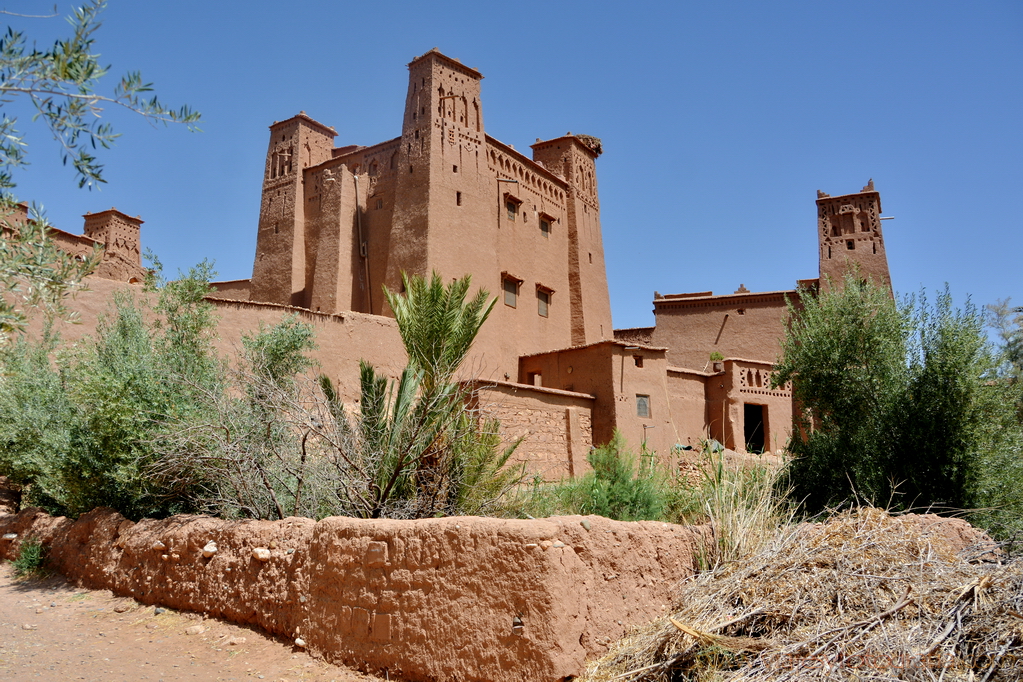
[31,558]
[94,414]
[615,487]
[417,447]
[276,445]
[36,413]
[242,453]
[845,353]
[903,405]
[35,275]
[278,352]
[61,85]
[437,324]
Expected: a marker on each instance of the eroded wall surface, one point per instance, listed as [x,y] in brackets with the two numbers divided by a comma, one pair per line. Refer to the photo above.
[462,598]
[556,427]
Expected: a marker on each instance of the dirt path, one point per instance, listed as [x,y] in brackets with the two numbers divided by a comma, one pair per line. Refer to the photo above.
[50,630]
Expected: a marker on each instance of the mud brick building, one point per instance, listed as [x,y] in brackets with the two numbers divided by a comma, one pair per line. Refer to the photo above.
[338,222]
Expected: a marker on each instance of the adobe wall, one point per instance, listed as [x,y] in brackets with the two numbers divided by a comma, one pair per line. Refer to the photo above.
[687,393]
[342,340]
[586,369]
[640,335]
[556,426]
[742,325]
[75,244]
[462,598]
[377,170]
[235,289]
[747,382]
[617,374]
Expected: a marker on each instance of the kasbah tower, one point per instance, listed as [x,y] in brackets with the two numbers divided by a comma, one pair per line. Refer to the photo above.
[338,223]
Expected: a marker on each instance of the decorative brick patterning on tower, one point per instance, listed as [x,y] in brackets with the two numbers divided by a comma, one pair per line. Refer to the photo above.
[849,228]
[338,223]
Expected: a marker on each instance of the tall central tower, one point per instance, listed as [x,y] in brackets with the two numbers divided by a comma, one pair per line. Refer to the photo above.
[441,174]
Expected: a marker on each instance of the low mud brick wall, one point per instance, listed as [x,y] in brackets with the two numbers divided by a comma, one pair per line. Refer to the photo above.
[460,598]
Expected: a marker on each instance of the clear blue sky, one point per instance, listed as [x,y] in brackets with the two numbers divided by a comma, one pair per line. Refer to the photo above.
[719,120]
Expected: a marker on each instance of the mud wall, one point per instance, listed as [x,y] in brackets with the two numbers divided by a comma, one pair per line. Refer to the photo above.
[556,427]
[463,598]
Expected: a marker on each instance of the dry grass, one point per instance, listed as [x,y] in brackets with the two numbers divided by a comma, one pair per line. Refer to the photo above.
[865,596]
[742,502]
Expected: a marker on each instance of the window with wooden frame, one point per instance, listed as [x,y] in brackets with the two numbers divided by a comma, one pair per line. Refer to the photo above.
[511,204]
[543,300]
[510,286]
[546,223]
[643,406]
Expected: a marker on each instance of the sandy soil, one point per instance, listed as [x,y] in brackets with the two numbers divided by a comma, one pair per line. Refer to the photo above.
[50,630]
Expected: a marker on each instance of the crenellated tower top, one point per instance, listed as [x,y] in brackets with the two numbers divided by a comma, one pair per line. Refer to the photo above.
[850,237]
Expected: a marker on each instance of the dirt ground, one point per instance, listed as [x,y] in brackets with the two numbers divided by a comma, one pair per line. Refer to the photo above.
[50,630]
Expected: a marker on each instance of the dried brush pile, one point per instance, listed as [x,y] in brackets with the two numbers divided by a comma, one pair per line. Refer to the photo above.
[865,596]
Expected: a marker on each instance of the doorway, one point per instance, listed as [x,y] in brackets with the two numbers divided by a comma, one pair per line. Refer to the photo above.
[753,427]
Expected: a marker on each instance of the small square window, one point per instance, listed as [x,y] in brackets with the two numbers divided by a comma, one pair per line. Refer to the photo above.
[511,292]
[543,302]
[638,360]
[643,406]
[851,245]
[454,169]
[513,208]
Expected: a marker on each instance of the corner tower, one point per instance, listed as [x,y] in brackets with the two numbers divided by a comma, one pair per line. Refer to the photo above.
[279,273]
[849,232]
[574,158]
[120,235]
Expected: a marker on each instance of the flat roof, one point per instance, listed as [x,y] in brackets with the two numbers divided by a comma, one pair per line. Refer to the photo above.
[451,61]
[695,301]
[308,119]
[613,342]
[483,383]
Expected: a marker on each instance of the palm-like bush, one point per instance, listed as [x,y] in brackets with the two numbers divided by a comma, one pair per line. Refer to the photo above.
[437,324]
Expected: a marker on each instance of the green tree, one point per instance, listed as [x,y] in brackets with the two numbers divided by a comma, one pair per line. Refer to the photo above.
[845,352]
[81,432]
[899,402]
[35,275]
[61,84]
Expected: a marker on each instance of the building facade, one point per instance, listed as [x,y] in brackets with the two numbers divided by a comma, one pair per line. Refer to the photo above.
[338,223]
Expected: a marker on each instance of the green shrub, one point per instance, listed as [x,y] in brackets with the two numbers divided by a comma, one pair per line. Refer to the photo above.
[78,425]
[903,405]
[277,445]
[615,487]
[30,559]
